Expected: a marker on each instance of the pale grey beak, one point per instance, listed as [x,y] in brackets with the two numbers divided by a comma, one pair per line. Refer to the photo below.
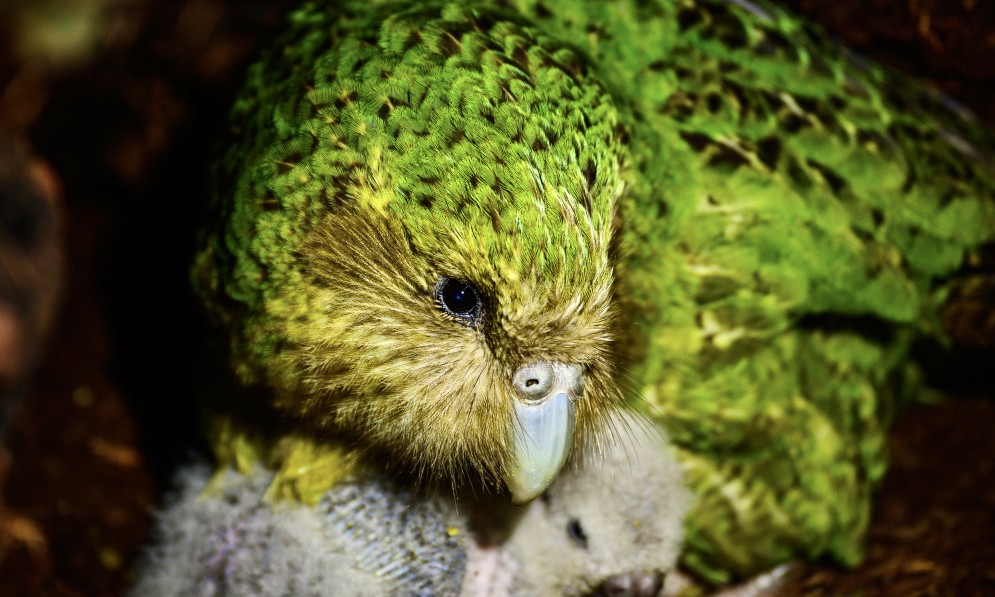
[542,431]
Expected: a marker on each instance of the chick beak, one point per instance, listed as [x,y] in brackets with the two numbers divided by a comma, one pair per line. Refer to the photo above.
[542,430]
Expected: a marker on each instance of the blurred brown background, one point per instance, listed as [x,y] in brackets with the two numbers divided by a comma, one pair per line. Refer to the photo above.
[112,105]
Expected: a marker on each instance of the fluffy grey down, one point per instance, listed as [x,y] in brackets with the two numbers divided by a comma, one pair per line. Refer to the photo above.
[612,521]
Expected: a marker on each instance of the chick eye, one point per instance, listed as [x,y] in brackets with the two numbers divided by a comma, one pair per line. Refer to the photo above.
[458,298]
[576,532]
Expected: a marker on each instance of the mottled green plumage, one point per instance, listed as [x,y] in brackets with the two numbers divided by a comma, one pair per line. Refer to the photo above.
[715,212]
[370,146]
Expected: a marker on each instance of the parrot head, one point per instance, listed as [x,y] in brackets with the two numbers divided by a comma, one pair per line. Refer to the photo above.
[420,246]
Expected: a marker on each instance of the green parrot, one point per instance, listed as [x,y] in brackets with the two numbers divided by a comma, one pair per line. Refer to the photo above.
[450,237]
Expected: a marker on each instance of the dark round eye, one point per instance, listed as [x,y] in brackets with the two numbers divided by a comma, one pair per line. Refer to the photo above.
[458,298]
[576,532]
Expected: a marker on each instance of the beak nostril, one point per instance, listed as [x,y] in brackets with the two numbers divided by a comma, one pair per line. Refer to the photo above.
[538,379]
[535,380]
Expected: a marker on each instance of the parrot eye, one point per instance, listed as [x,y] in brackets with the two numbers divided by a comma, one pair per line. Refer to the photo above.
[459,299]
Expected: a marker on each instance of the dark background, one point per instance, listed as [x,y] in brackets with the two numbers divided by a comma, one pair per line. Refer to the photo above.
[122,98]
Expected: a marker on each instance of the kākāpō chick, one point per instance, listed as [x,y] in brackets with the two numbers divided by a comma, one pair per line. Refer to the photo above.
[443,229]
[232,541]
[611,524]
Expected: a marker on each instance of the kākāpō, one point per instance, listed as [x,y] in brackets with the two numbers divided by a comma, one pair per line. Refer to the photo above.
[451,237]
